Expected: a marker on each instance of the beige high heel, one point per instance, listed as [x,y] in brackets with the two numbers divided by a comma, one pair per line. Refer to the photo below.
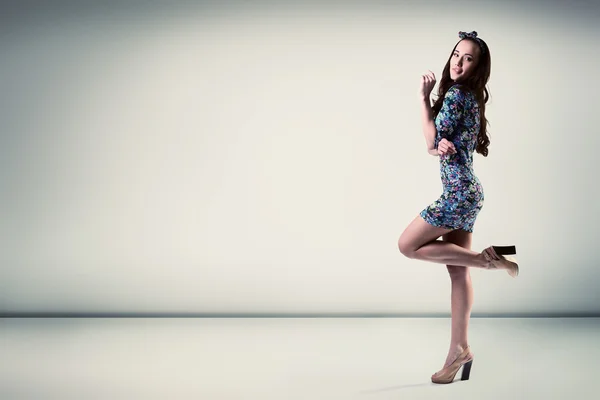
[497,259]
[447,374]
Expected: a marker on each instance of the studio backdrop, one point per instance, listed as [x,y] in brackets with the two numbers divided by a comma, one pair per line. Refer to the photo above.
[236,157]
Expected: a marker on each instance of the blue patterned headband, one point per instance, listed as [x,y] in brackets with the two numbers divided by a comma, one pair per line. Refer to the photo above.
[473,35]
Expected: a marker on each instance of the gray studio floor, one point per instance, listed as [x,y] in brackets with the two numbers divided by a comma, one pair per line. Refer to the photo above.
[293,358]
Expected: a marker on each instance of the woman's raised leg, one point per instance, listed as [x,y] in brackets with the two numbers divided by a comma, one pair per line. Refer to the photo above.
[418,241]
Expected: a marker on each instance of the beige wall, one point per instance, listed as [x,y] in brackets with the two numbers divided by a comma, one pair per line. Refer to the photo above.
[234,159]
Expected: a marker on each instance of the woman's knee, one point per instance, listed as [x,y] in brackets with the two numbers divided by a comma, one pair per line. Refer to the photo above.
[406,247]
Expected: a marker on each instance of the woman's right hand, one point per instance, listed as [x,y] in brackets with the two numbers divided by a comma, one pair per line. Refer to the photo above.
[446,147]
[427,84]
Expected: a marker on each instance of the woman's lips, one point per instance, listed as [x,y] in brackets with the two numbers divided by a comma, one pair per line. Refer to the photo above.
[456,70]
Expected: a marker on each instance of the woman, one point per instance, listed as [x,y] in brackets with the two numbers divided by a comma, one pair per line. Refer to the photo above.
[455,127]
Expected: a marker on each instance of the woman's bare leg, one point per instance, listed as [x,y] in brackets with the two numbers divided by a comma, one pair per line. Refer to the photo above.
[461,297]
[418,241]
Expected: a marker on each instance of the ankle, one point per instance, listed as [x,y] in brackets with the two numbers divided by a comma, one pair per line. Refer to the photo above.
[459,346]
[482,261]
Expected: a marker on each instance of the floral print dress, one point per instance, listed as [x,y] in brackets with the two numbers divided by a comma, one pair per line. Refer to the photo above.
[462,198]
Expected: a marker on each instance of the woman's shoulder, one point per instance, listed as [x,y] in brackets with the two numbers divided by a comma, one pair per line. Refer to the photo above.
[461,94]
[459,91]
[456,95]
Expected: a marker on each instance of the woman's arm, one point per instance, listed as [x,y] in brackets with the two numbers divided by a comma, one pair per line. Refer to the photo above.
[429,130]
[450,115]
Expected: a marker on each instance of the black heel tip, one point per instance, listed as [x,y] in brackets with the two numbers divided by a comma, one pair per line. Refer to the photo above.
[505,250]
[466,372]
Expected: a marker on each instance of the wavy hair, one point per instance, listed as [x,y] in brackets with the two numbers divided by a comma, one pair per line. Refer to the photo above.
[475,83]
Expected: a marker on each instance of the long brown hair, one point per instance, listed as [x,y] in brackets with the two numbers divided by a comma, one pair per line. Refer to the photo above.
[476,85]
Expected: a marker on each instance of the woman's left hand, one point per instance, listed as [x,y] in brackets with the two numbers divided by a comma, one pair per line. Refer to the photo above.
[446,147]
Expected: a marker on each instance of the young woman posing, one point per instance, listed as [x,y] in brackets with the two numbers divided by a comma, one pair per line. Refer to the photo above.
[454,128]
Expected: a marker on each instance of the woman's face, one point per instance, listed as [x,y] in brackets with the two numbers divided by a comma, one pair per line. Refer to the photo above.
[464,60]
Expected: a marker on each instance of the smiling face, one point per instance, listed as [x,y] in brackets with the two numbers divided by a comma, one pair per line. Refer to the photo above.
[464,60]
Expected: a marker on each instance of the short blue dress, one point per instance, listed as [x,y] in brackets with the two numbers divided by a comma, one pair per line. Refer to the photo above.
[462,198]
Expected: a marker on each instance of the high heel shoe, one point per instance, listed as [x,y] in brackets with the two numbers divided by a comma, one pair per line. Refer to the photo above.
[446,375]
[497,258]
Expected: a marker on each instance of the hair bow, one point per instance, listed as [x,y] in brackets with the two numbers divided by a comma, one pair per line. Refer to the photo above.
[463,35]
[473,35]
